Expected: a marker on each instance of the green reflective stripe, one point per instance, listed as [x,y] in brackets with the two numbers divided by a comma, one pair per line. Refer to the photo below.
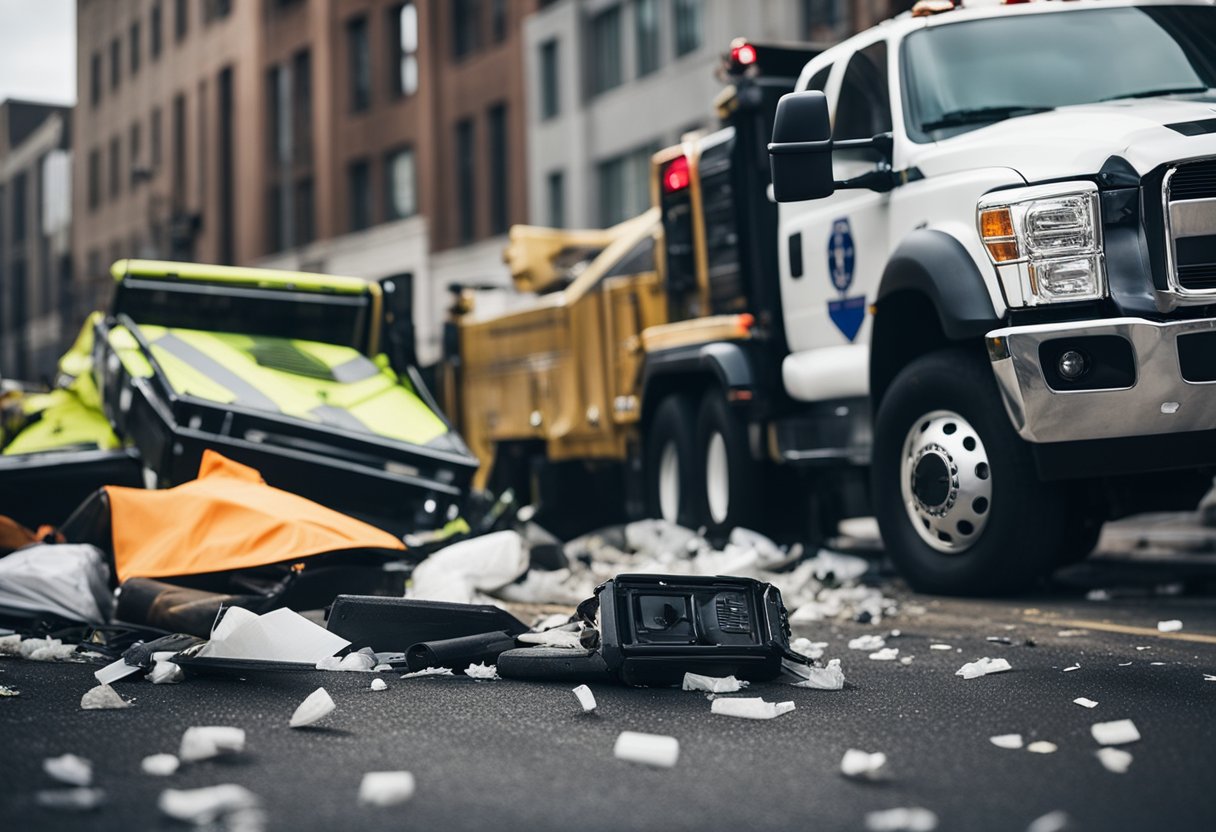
[359,368]
[336,417]
[246,394]
[239,275]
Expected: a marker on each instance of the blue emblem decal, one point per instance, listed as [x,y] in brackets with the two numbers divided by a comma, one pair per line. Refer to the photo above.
[840,255]
[848,315]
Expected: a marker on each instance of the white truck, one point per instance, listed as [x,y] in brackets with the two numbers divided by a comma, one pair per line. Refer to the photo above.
[997,226]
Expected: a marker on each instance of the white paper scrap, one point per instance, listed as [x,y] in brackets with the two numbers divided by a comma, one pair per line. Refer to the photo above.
[1010,741]
[1209,677]
[823,678]
[314,708]
[982,667]
[869,642]
[1071,668]
[1117,732]
[713,684]
[481,671]
[940,647]
[202,742]
[862,764]
[649,749]
[102,697]
[911,819]
[165,673]
[750,708]
[70,769]
[1171,626]
[379,684]
[281,635]
[887,654]
[70,800]
[587,699]
[386,788]
[1114,759]
[1085,703]
[811,649]
[205,805]
[159,765]
[428,671]
[1042,747]
[1056,821]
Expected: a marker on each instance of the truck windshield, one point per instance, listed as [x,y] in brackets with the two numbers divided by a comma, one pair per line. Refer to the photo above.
[962,76]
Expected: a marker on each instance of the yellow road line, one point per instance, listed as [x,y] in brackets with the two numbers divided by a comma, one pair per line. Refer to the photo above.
[1147,632]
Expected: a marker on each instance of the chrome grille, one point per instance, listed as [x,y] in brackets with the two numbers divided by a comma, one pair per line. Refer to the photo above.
[1190,220]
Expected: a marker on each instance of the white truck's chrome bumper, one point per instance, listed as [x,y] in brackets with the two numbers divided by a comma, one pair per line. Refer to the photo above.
[1159,400]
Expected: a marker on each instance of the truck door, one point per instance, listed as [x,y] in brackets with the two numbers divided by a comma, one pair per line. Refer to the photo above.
[832,251]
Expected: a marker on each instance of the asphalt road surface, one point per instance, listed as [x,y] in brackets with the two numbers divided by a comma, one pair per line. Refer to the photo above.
[511,755]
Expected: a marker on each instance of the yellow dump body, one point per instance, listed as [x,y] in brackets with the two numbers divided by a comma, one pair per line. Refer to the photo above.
[565,370]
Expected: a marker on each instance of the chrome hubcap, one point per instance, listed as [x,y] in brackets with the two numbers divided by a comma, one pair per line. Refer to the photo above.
[946,482]
[669,483]
[717,479]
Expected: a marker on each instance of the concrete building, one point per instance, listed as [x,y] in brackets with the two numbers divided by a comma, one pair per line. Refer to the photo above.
[611,81]
[35,241]
[366,137]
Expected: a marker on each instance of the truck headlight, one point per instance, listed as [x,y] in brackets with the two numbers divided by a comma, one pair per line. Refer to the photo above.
[1046,242]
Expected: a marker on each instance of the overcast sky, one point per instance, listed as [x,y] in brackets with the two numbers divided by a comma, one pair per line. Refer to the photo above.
[38,50]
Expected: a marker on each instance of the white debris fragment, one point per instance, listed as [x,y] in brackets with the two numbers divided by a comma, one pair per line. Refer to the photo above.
[202,742]
[940,647]
[887,654]
[1114,759]
[159,765]
[1056,821]
[823,678]
[382,668]
[713,684]
[165,673]
[70,769]
[914,819]
[1209,677]
[750,708]
[463,571]
[862,764]
[906,660]
[1072,633]
[206,805]
[5,690]
[566,637]
[1118,732]
[1157,664]
[1085,703]
[587,699]
[648,749]
[70,800]
[386,788]
[357,662]
[868,642]
[1171,626]
[1010,741]
[1042,747]
[1125,664]
[481,671]
[811,649]
[982,667]
[10,645]
[1071,668]
[47,650]
[1138,647]
[1097,595]
[315,707]
[428,671]
[102,697]
[379,684]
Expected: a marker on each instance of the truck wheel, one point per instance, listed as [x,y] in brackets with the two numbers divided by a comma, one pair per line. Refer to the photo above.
[728,494]
[670,462]
[958,501]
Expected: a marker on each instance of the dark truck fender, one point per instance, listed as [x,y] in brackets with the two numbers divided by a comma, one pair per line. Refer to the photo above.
[931,295]
[724,362]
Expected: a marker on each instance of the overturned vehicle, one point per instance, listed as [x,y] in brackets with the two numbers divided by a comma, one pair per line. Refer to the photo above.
[308,377]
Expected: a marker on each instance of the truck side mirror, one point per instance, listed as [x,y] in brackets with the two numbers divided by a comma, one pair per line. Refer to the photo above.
[800,154]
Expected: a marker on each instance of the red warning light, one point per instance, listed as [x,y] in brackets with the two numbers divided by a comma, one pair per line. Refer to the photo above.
[743,54]
[676,175]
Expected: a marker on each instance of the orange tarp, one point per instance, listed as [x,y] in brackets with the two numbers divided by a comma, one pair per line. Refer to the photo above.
[228,518]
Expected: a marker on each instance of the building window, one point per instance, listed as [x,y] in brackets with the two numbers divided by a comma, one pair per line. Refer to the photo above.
[359,179]
[466,27]
[115,62]
[306,226]
[646,32]
[155,25]
[94,179]
[465,190]
[301,66]
[403,21]
[555,188]
[135,47]
[278,114]
[688,26]
[359,64]
[155,129]
[624,185]
[20,184]
[95,79]
[400,189]
[606,50]
[115,166]
[499,182]
[179,151]
[181,19]
[133,149]
[498,20]
[216,9]
[550,89]
[276,239]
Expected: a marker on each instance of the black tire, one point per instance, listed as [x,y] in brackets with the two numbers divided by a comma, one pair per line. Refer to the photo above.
[1022,521]
[672,427]
[726,499]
